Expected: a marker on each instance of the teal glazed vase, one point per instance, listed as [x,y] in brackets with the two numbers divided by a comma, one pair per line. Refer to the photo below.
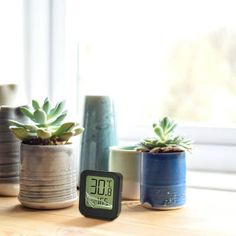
[100,133]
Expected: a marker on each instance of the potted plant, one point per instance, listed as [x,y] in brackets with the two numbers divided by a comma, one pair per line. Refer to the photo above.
[163,167]
[49,169]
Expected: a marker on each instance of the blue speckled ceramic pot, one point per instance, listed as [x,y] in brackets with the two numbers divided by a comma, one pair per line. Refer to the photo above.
[163,180]
[99,134]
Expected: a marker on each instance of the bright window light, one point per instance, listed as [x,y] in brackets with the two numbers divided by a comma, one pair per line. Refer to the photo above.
[157,58]
[11,44]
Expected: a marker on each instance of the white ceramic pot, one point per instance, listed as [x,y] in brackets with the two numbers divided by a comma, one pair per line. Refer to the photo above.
[8,94]
[126,161]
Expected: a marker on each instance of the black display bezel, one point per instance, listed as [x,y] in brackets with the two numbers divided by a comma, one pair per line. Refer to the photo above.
[101,213]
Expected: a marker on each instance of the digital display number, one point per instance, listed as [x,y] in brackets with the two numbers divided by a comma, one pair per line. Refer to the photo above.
[99,192]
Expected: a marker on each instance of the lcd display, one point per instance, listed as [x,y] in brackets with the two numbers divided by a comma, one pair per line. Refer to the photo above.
[99,192]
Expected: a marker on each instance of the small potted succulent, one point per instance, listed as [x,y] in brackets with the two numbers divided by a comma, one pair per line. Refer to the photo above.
[163,167]
[49,165]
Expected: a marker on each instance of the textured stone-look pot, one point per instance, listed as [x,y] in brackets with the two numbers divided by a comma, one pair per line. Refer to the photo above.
[9,152]
[48,176]
[163,180]
[126,161]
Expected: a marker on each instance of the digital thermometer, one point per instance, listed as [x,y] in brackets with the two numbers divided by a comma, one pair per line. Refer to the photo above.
[100,194]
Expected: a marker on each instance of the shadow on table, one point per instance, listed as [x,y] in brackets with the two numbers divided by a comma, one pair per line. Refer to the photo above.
[132,206]
[19,209]
[79,221]
[85,222]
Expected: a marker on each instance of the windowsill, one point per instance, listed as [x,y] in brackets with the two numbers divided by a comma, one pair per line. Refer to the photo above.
[211,180]
[213,157]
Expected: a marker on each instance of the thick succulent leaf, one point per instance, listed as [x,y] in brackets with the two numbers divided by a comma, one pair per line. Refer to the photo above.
[46,105]
[40,116]
[16,123]
[66,127]
[185,143]
[164,123]
[66,136]
[46,99]
[44,134]
[158,132]
[35,105]
[57,110]
[171,128]
[149,143]
[52,112]
[21,133]
[58,120]
[27,113]
[78,131]
[31,128]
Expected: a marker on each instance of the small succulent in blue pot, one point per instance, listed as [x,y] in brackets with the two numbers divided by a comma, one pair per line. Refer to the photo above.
[163,167]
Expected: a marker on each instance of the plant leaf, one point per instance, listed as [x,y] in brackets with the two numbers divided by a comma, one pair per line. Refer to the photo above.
[159,132]
[66,136]
[171,128]
[31,128]
[35,105]
[78,131]
[164,123]
[57,110]
[27,112]
[58,120]
[16,123]
[44,134]
[20,133]
[40,116]
[46,105]
[66,127]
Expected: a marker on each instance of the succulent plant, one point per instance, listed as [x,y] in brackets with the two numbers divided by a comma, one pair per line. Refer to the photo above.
[165,140]
[46,126]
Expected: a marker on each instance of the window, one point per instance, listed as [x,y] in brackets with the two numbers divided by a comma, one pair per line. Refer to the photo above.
[155,58]
[160,58]
[11,46]
[164,58]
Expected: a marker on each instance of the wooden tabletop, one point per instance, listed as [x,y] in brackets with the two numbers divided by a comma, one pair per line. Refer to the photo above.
[207,212]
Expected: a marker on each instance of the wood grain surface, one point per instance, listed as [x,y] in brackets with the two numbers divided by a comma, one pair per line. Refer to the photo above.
[207,212]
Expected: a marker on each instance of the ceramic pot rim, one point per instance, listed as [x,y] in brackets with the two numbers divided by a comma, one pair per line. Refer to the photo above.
[6,107]
[164,153]
[97,96]
[28,146]
[123,148]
